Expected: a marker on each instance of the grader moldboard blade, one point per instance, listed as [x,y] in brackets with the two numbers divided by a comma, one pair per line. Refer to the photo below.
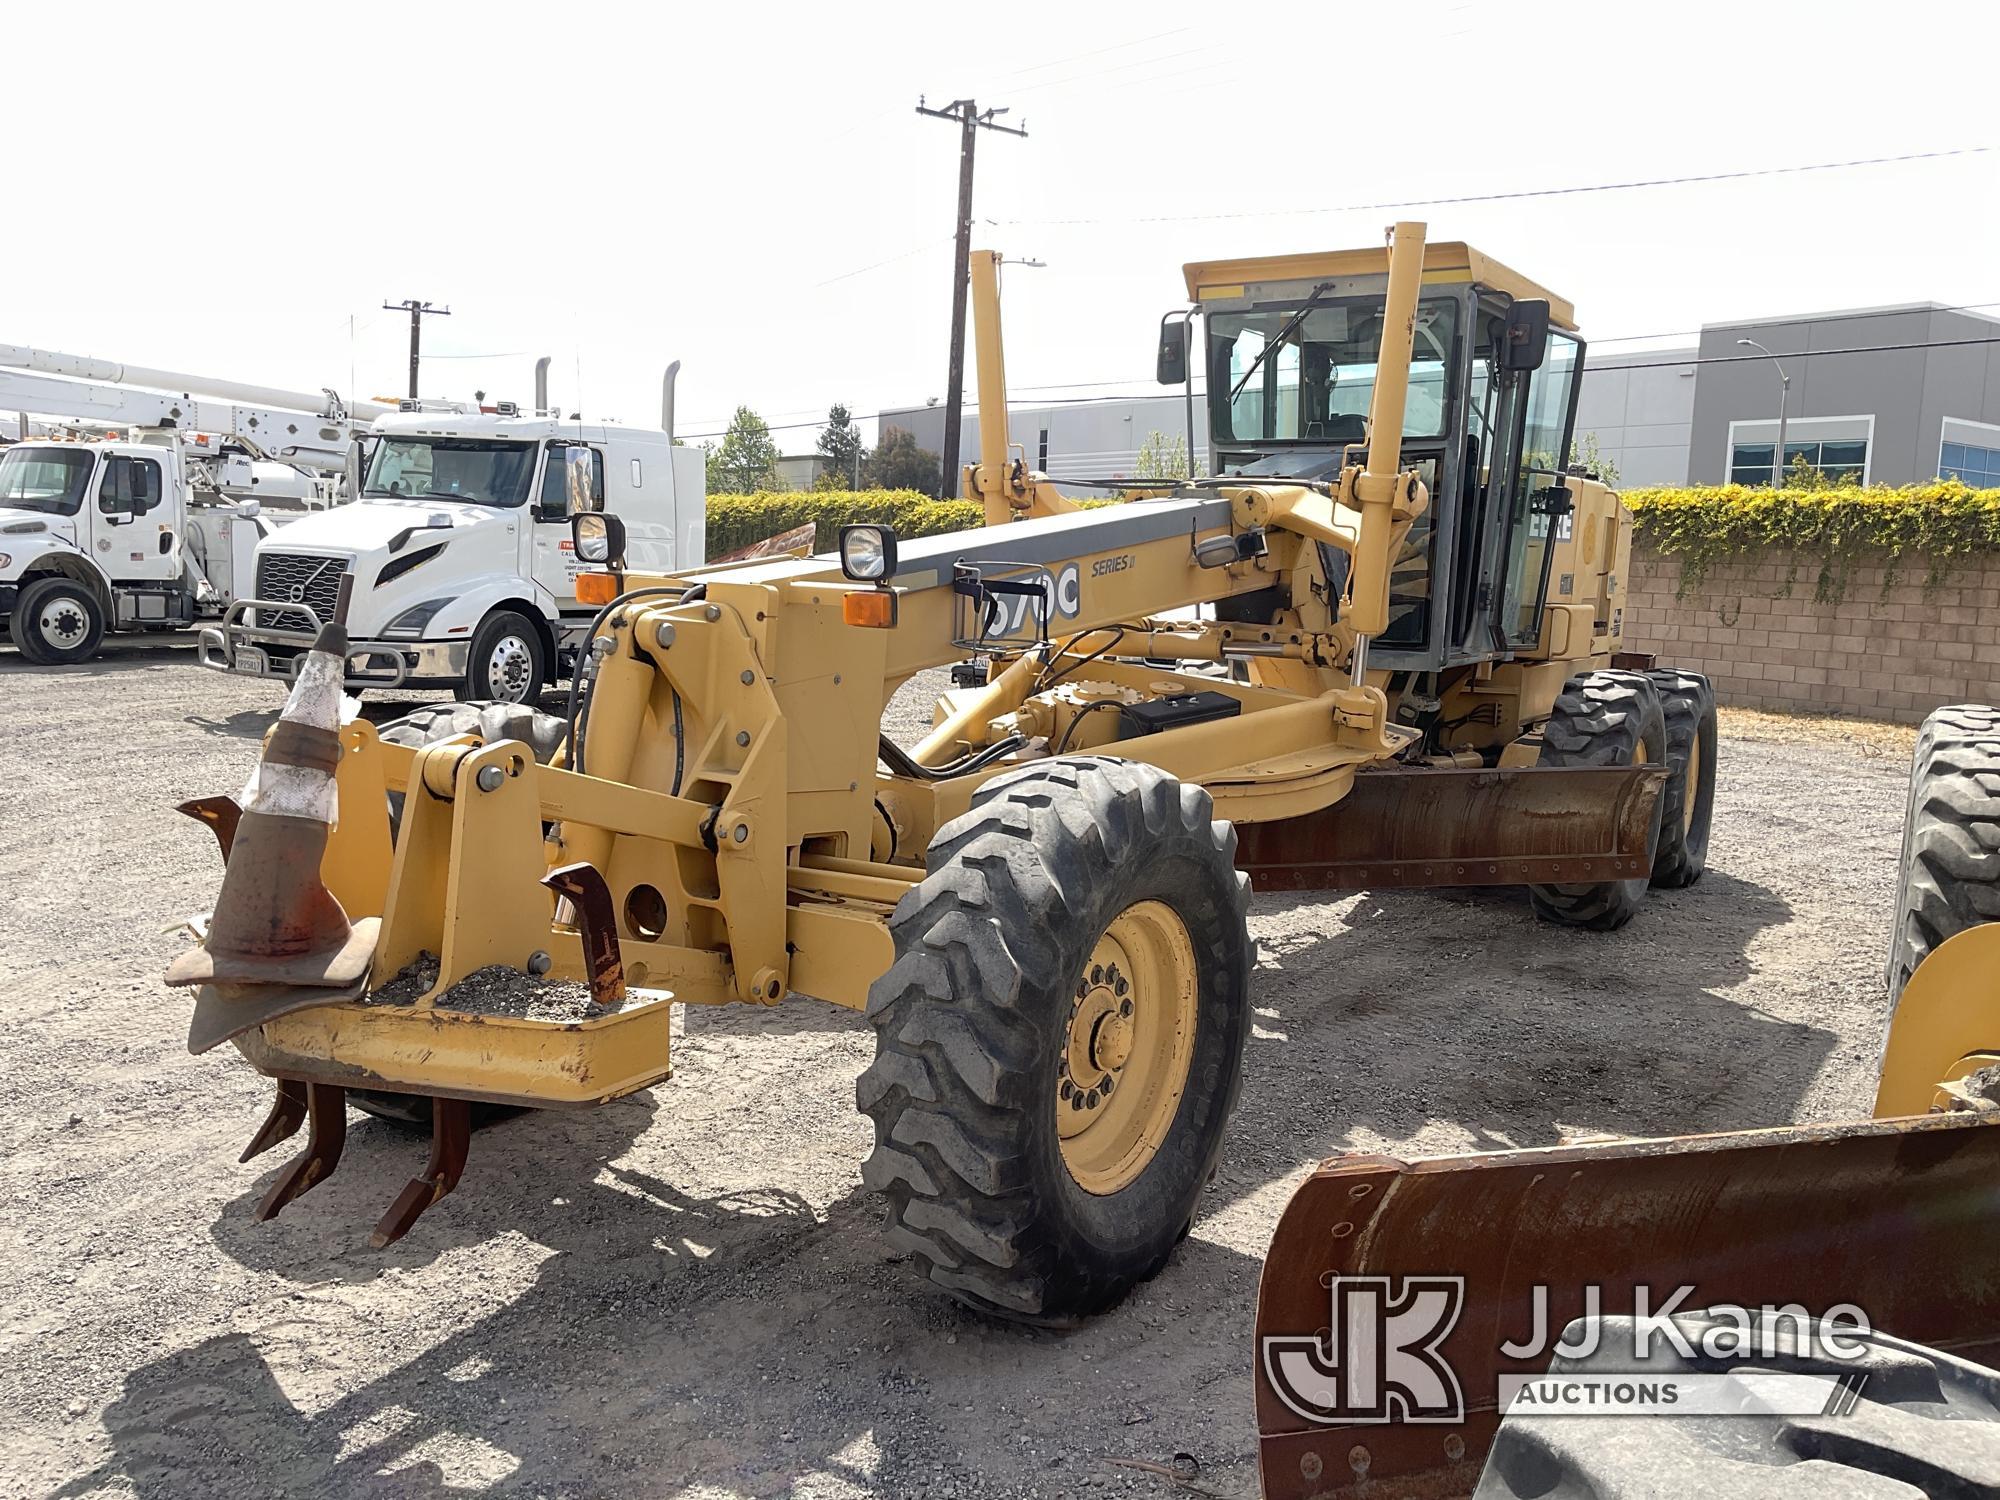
[1898,1217]
[1426,826]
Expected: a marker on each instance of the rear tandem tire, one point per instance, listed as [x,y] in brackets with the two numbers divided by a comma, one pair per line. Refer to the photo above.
[1950,874]
[1687,805]
[1604,718]
[542,733]
[1082,927]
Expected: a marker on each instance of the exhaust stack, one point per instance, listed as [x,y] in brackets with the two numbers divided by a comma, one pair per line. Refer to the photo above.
[542,384]
[667,398]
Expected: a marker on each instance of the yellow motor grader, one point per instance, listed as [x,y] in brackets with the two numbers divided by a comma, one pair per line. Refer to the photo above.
[1380,645]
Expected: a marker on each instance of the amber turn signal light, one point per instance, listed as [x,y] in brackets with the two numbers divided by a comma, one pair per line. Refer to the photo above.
[596,588]
[874,608]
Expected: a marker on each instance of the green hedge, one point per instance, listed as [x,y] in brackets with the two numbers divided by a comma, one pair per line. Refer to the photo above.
[741,520]
[1937,521]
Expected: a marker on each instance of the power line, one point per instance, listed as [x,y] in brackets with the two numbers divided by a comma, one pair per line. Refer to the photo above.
[1091,75]
[1556,192]
[1663,364]
[1880,312]
[890,261]
[1062,62]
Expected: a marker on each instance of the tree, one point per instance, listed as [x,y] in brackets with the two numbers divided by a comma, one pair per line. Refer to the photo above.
[1592,456]
[747,460]
[899,464]
[840,450]
[1162,457]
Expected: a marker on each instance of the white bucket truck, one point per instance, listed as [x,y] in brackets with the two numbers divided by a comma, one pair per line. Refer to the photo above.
[143,512]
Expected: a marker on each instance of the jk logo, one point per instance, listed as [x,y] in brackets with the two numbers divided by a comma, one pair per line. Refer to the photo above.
[1379,1361]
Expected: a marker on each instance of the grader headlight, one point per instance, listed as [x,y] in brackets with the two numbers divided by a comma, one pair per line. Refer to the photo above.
[868,553]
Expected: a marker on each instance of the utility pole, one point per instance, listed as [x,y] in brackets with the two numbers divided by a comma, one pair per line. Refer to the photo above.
[417,310]
[971,120]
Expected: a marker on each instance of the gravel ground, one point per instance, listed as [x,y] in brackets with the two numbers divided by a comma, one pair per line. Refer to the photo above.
[686,1292]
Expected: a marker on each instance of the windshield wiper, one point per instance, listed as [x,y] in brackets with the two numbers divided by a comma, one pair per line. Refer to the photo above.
[1291,324]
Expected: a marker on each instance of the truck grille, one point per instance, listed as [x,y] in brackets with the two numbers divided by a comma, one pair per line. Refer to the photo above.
[304,579]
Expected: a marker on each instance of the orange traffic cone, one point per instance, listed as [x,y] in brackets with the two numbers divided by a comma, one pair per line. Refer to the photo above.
[275,921]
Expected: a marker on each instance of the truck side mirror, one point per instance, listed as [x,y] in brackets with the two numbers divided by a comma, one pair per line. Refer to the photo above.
[351,470]
[598,539]
[577,475]
[1171,367]
[1526,338]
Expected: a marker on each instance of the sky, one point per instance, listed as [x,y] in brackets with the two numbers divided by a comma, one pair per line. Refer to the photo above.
[750,190]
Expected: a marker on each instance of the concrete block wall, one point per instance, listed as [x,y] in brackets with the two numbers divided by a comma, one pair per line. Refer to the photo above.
[1889,648]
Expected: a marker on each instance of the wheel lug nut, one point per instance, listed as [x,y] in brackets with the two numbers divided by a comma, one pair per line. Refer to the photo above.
[1097,973]
[1124,1007]
[1122,985]
[1076,1101]
[1065,1089]
[1105,1087]
[1090,1099]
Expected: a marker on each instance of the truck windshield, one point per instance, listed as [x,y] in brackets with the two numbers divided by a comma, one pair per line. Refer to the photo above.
[44,479]
[1315,386]
[477,471]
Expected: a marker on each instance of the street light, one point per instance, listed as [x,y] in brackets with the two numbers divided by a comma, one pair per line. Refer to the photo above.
[1784,401]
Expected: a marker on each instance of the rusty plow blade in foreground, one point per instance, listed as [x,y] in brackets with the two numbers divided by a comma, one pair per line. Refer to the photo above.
[1897,1217]
[1419,825]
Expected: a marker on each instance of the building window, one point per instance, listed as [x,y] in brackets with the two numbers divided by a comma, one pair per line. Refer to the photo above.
[1750,463]
[1978,467]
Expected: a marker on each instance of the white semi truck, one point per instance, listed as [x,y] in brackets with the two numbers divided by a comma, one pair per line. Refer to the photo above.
[145,513]
[458,544]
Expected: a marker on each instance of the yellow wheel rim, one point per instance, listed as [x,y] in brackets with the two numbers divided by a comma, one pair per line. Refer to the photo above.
[1124,1061]
[1690,785]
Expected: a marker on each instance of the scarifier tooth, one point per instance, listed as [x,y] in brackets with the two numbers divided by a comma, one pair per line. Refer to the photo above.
[288,1113]
[451,1137]
[326,1133]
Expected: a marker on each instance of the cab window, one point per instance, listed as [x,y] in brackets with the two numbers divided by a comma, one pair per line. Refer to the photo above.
[1292,373]
[131,486]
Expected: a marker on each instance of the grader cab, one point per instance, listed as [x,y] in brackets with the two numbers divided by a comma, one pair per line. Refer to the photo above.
[1382,648]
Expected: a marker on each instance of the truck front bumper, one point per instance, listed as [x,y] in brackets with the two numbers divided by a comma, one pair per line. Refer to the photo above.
[235,646]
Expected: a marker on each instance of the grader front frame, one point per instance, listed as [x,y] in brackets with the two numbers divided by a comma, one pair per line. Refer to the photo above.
[1038,906]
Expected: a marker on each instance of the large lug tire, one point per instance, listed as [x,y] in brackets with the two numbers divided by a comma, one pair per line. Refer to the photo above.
[1605,718]
[543,733]
[1950,873]
[1922,1423]
[508,660]
[57,622]
[1059,1042]
[1687,806]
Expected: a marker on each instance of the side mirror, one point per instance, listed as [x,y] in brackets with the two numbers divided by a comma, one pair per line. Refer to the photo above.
[351,470]
[1171,365]
[598,539]
[1526,338]
[577,475]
